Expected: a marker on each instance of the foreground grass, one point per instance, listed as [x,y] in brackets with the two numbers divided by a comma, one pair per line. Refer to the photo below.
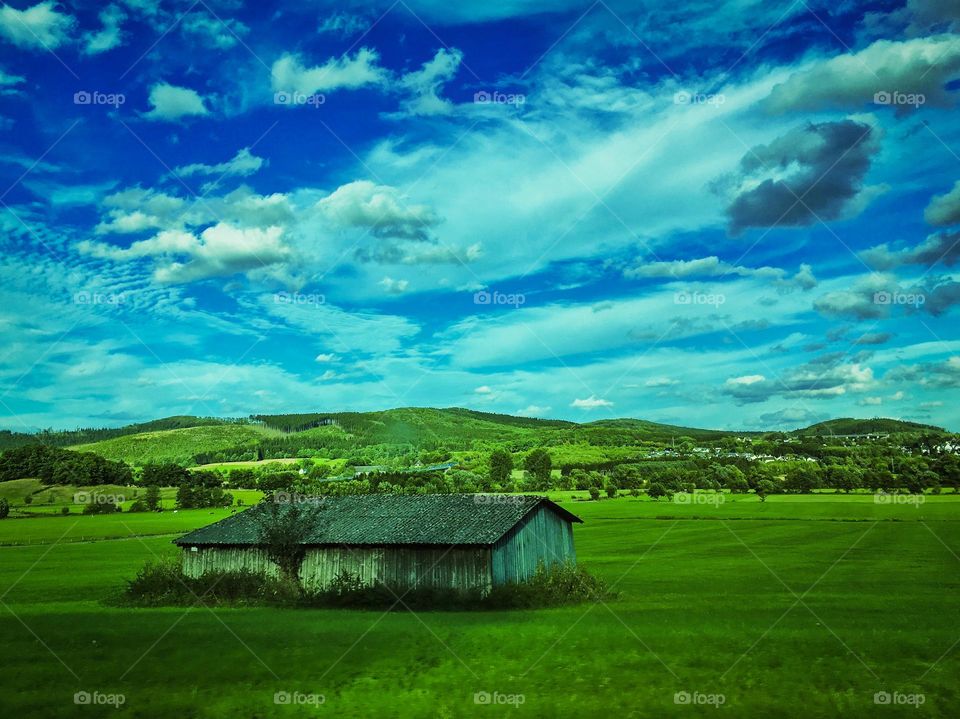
[802,616]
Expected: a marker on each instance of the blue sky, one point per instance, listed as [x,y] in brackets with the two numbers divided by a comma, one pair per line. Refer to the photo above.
[733,215]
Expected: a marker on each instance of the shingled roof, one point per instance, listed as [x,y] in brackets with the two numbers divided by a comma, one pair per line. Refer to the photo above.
[384,519]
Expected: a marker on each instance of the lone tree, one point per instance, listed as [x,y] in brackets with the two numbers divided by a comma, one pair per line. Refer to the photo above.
[539,465]
[765,487]
[501,465]
[152,499]
[656,491]
[283,527]
[4,508]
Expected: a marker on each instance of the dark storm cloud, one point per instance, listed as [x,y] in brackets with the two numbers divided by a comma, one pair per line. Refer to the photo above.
[811,173]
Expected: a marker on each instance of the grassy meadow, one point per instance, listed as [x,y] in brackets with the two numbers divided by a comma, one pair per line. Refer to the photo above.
[801,606]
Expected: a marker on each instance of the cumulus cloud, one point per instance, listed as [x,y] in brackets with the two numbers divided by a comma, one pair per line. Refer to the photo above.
[532,410]
[213,32]
[40,27]
[714,267]
[325,357]
[944,209]
[289,74]
[424,84]
[109,36]
[874,296]
[919,66]
[810,173]
[378,208]
[394,287]
[943,247]
[219,251]
[242,164]
[590,403]
[934,375]
[822,378]
[873,338]
[171,103]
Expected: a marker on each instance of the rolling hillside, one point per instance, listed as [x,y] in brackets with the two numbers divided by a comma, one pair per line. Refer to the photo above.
[878,425]
[178,445]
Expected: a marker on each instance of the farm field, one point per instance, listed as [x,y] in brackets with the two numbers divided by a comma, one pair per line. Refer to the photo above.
[784,608]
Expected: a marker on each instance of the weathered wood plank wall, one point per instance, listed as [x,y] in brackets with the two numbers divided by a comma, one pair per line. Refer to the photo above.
[541,536]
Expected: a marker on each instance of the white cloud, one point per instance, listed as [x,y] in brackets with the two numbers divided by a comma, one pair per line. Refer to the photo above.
[219,251]
[483,390]
[325,357]
[919,66]
[944,209]
[38,27]
[171,103]
[242,164]
[379,208]
[289,74]
[109,36]
[532,410]
[424,84]
[394,287]
[591,402]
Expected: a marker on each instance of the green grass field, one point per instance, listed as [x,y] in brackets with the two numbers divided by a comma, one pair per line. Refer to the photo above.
[784,608]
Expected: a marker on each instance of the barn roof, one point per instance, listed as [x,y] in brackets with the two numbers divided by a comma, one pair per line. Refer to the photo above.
[376,519]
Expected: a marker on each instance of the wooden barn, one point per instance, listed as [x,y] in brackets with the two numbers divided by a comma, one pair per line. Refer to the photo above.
[459,541]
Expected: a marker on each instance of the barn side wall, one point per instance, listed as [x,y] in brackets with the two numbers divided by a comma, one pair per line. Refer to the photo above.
[542,536]
[465,568]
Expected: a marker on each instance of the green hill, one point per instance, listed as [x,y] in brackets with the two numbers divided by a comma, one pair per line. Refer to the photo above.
[179,445]
[877,425]
[69,438]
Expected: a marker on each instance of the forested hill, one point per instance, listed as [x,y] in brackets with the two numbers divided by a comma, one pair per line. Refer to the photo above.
[877,425]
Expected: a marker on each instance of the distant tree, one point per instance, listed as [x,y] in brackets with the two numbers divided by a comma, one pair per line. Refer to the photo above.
[164,475]
[611,491]
[28,499]
[501,465]
[594,493]
[4,508]
[538,464]
[64,510]
[656,491]
[283,527]
[152,498]
[765,487]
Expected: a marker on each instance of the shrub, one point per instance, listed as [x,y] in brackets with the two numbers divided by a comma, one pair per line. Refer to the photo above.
[64,510]
[4,508]
[97,507]
[138,506]
[594,494]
